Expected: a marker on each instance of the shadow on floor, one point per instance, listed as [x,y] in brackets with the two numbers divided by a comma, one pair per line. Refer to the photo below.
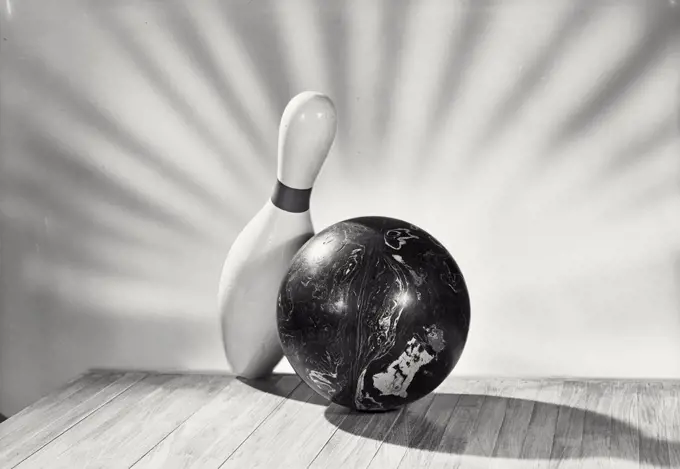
[448,423]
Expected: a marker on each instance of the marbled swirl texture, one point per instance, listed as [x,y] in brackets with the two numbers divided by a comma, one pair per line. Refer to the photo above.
[373,313]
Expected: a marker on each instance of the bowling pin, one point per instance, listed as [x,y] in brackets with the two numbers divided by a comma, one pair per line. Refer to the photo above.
[262,252]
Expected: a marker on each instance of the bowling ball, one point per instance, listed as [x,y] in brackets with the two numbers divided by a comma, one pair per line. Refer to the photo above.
[373,313]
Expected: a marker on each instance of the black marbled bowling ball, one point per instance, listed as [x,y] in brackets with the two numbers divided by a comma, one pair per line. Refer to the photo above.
[373,313]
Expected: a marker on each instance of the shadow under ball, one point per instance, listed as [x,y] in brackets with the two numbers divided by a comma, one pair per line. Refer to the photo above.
[373,313]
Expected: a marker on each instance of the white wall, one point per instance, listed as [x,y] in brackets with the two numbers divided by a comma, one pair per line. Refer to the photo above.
[538,140]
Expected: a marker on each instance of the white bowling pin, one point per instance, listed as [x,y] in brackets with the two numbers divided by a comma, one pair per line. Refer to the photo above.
[261,253]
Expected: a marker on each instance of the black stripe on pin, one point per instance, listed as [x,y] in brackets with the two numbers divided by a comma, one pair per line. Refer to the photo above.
[290,199]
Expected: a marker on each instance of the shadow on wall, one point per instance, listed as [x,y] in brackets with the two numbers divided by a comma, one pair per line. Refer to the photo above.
[553,431]
[100,266]
[137,140]
[97,276]
[70,336]
[677,281]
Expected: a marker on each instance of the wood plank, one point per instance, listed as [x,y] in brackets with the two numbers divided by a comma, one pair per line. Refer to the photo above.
[172,421]
[513,431]
[458,432]
[405,433]
[654,450]
[292,435]
[597,426]
[125,429]
[624,446]
[566,449]
[44,423]
[212,434]
[54,405]
[484,435]
[357,440]
[538,443]
[428,434]
[671,399]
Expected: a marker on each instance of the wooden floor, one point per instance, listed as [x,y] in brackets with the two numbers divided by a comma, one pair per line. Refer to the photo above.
[142,420]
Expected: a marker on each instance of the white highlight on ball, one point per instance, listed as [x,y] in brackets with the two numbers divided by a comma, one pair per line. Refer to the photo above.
[400,373]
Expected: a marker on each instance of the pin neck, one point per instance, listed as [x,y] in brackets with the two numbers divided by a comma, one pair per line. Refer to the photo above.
[291,199]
